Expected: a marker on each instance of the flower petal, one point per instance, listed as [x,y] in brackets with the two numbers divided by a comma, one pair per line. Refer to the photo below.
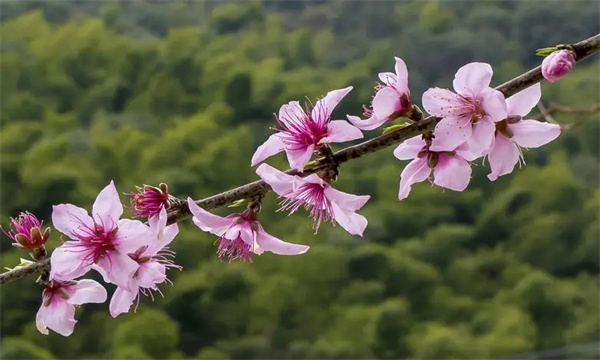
[291,113]
[118,268]
[297,158]
[132,234]
[121,301]
[107,208]
[70,220]
[410,148]
[324,107]
[87,291]
[472,79]
[450,132]
[441,102]
[367,124]
[523,102]
[386,102]
[69,261]
[388,78]
[533,134]
[209,222]
[482,138]
[151,273]
[270,243]
[452,172]
[493,104]
[416,171]
[58,316]
[341,131]
[158,222]
[281,183]
[347,202]
[272,146]
[503,157]
[401,76]
[352,222]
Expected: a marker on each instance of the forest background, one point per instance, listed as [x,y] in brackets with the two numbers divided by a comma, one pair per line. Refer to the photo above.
[183,92]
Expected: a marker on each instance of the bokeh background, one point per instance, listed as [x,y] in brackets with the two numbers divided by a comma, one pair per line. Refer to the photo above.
[182,92]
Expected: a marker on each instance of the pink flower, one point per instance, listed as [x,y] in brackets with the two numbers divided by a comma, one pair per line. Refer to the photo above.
[557,65]
[469,115]
[241,235]
[450,168]
[26,232]
[100,239]
[318,197]
[149,200]
[153,259]
[513,132]
[302,132]
[391,101]
[59,300]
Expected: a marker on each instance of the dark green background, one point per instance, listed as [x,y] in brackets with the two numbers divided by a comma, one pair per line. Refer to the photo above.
[183,92]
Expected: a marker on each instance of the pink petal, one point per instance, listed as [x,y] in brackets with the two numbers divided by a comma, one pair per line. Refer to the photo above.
[291,113]
[493,104]
[270,243]
[107,208]
[346,202]
[121,301]
[472,79]
[324,107]
[151,273]
[87,291]
[522,102]
[450,133]
[69,261]
[70,219]
[233,232]
[58,316]
[503,157]
[533,134]
[132,234]
[281,183]
[158,222]
[209,222]
[409,149]
[272,146]
[164,234]
[249,236]
[416,171]
[299,157]
[340,131]
[386,102]
[367,124]
[482,138]
[352,222]
[441,102]
[388,78]
[452,172]
[401,84]
[118,268]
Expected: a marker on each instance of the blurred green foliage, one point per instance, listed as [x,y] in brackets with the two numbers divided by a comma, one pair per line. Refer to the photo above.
[182,92]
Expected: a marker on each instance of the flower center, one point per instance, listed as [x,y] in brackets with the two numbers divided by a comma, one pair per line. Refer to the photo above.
[234,249]
[97,240]
[312,197]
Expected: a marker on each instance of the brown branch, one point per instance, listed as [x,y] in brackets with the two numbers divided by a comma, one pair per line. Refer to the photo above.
[180,210]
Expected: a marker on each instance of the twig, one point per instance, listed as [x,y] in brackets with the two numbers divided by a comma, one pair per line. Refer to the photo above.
[180,210]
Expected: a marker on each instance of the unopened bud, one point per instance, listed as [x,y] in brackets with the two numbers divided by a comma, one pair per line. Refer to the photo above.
[557,65]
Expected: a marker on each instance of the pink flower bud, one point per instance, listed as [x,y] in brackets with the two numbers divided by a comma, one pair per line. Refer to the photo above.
[26,232]
[149,200]
[557,65]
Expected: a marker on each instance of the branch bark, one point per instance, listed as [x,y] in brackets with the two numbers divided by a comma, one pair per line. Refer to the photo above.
[180,211]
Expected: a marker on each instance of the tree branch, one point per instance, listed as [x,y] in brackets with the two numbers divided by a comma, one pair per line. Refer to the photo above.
[179,210]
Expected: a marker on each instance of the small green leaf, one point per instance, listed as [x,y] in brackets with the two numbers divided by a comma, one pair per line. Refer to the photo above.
[239,203]
[23,263]
[546,51]
[395,127]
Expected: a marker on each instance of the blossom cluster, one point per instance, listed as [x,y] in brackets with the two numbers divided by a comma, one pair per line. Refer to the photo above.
[474,121]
